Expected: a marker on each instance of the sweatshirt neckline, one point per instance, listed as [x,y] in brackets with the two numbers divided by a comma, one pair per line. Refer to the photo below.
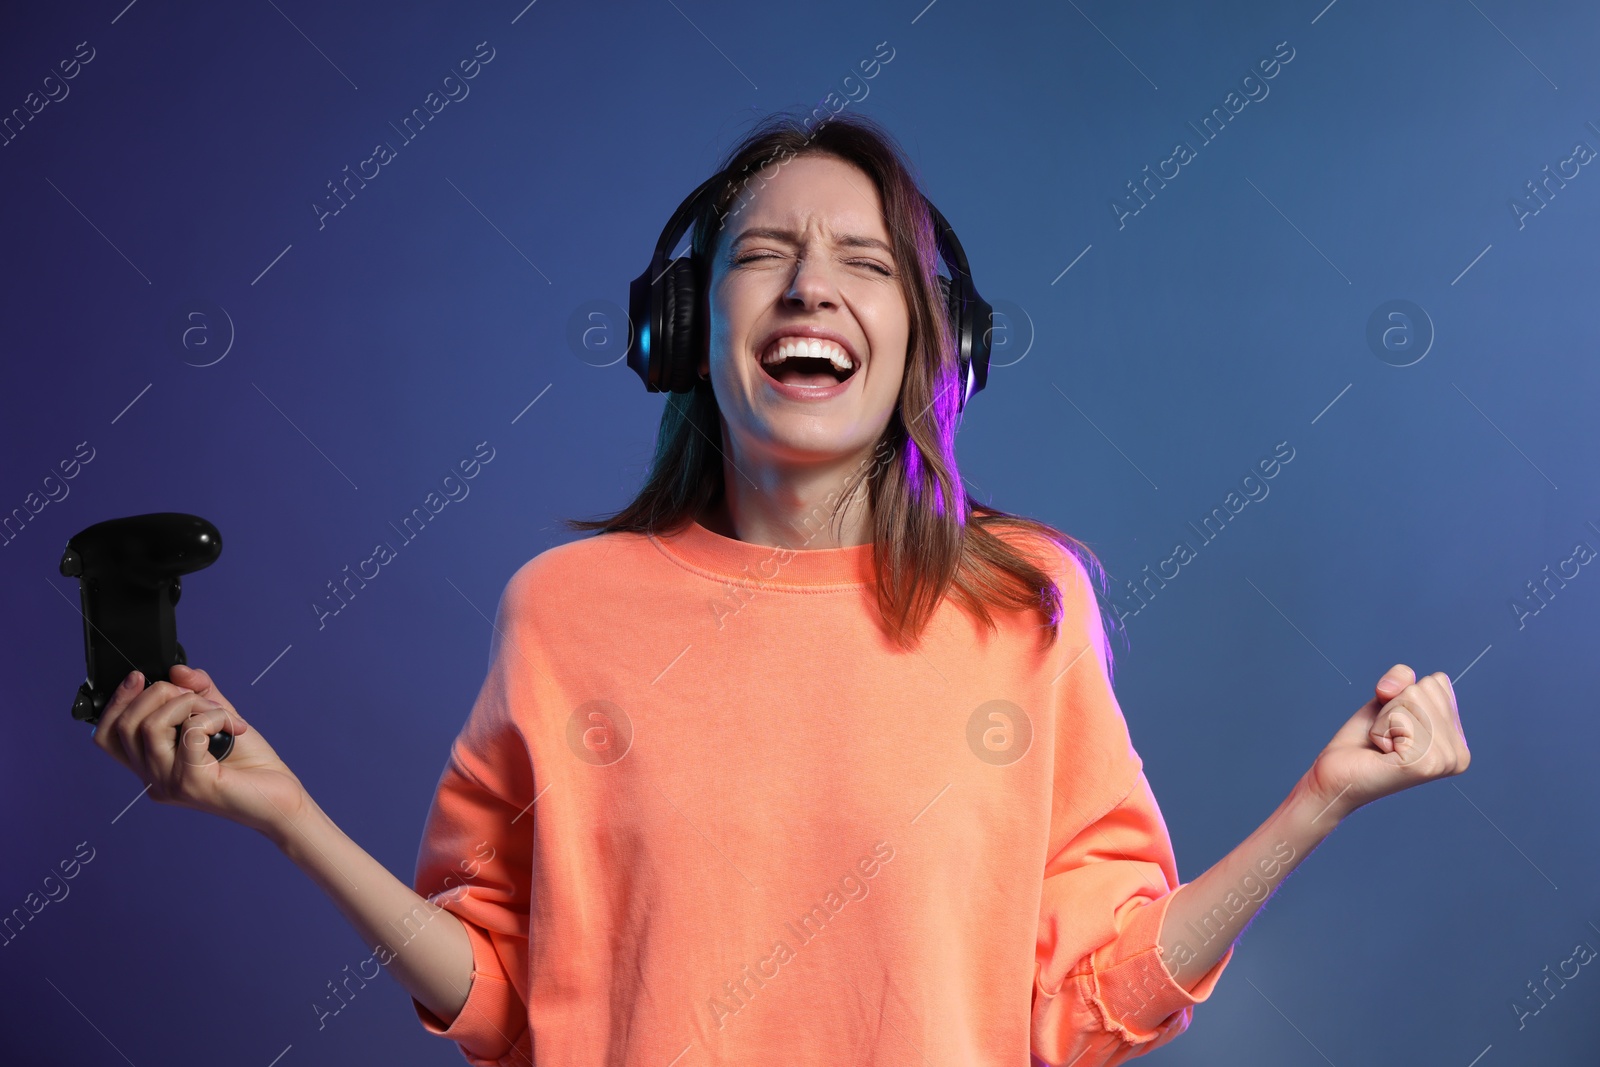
[729,558]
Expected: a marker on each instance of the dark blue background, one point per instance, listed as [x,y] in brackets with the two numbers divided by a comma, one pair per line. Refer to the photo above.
[1229,315]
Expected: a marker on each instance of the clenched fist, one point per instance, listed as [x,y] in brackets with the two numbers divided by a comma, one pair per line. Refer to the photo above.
[1408,734]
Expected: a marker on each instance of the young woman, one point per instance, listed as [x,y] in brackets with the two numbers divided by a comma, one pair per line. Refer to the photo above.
[804,755]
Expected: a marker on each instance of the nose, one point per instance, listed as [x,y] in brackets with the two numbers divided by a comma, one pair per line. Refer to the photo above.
[813,284]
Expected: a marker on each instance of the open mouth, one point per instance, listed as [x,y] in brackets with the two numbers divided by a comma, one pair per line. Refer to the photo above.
[807,361]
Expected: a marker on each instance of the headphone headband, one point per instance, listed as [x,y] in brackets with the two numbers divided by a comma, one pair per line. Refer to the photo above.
[670,334]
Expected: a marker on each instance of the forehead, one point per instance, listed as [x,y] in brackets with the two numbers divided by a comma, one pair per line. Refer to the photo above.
[810,192]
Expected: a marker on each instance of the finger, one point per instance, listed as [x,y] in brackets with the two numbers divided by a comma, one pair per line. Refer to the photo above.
[128,723]
[199,681]
[125,697]
[1443,705]
[202,683]
[160,734]
[1389,726]
[1406,734]
[1464,754]
[1450,695]
[1394,680]
[220,718]
[104,735]
[1407,727]
[193,678]
[194,735]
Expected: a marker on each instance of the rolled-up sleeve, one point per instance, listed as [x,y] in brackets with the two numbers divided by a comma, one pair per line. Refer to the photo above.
[1101,992]
[475,856]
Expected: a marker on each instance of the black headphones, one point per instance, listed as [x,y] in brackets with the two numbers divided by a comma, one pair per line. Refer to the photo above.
[669,333]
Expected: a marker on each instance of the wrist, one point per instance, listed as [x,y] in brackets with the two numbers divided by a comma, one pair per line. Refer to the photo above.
[295,834]
[1320,807]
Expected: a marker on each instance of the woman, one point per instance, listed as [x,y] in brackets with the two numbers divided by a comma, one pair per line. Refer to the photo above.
[804,755]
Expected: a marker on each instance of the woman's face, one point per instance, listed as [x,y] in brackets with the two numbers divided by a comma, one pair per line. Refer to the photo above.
[806,258]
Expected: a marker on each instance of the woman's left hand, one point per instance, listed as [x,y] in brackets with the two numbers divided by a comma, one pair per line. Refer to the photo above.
[1408,734]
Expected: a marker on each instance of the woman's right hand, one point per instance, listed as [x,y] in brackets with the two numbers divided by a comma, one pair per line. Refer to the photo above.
[160,733]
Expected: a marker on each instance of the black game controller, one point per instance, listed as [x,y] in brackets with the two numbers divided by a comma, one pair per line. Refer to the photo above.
[128,573]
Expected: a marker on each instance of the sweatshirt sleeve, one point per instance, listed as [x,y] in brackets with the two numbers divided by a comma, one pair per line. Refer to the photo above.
[475,857]
[1101,992]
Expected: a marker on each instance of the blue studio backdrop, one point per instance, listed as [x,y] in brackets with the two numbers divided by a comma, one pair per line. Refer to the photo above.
[288,267]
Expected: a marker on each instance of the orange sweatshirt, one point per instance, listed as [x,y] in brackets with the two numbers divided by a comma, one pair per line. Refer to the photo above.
[703,812]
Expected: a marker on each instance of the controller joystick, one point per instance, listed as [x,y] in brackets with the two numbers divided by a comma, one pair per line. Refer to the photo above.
[129,573]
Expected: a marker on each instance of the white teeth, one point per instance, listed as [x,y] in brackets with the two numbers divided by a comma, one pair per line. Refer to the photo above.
[790,347]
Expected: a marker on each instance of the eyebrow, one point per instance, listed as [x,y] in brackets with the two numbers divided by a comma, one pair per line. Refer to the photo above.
[848,240]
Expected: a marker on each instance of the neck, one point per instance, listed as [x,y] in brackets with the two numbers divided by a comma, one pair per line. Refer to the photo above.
[788,506]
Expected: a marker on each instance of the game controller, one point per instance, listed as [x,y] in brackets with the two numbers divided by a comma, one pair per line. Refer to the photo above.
[129,580]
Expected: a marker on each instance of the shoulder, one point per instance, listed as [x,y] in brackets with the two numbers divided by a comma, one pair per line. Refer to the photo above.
[578,568]
[1078,576]
[1050,550]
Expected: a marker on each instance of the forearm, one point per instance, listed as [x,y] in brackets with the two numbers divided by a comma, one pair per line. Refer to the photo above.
[424,946]
[1208,914]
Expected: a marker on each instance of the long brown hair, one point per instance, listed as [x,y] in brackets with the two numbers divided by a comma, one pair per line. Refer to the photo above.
[929,537]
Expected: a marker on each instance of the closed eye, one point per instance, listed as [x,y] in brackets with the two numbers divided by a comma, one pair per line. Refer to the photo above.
[872,264]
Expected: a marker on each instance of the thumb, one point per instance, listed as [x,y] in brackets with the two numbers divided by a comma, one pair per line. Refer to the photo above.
[191,678]
[1394,680]
[200,682]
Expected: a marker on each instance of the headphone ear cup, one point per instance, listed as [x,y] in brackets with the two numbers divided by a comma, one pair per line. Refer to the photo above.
[952,309]
[680,326]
